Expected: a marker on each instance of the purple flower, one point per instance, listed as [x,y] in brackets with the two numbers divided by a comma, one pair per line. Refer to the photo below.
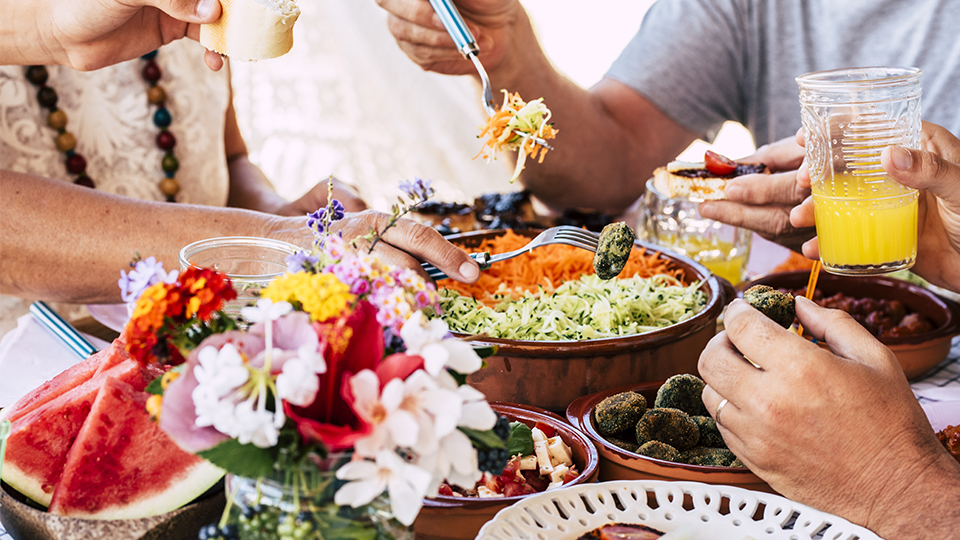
[418,189]
[315,220]
[301,260]
[319,220]
[338,211]
[144,275]
[360,287]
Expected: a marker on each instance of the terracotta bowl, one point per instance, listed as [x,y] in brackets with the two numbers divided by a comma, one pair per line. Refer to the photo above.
[25,521]
[619,464]
[449,518]
[917,354]
[551,374]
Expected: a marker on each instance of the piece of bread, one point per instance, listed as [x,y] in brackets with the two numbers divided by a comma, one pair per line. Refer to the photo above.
[250,30]
[685,180]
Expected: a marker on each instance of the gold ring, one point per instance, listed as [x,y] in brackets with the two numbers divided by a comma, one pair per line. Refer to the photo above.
[720,407]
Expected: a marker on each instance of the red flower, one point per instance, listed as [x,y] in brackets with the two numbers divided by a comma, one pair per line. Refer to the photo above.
[398,366]
[349,344]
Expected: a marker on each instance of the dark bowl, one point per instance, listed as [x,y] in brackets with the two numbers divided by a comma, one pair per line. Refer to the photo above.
[454,518]
[619,464]
[918,353]
[551,374]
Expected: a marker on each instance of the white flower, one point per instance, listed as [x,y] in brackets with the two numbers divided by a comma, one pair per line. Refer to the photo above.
[391,426]
[312,358]
[476,413]
[266,310]
[216,412]
[298,383]
[454,462]
[222,371]
[256,425]
[426,338]
[406,484]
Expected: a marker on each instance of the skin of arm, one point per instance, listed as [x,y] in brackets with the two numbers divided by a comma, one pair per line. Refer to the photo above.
[838,429]
[91,34]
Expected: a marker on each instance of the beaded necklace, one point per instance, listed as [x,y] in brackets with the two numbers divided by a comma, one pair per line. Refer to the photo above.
[67,143]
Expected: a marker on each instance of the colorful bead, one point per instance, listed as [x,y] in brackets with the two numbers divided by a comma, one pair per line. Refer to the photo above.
[66,141]
[84,180]
[169,187]
[47,97]
[37,75]
[57,119]
[170,164]
[162,118]
[156,95]
[76,164]
[166,140]
[151,72]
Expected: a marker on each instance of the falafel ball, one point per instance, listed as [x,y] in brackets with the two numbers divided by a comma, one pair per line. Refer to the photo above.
[671,426]
[778,305]
[684,392]
[709,432]
[737,463]
[628,445]
[659,450]
[619,412]
[703,455]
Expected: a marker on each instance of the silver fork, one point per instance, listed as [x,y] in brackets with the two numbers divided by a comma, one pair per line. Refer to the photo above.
[463,38]
[563,234]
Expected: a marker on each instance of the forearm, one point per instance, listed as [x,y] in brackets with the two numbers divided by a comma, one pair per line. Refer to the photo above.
[928,510]
[65,243]
[609,135]
[250,188]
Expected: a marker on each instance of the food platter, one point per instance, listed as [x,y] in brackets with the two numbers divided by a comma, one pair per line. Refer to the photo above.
[702,511]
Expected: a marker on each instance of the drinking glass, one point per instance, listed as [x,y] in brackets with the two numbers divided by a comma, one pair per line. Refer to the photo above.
[866,222]
[251,263]
[678,225]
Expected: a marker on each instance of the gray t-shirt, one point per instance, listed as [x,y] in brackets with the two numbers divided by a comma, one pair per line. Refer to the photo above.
[703,62]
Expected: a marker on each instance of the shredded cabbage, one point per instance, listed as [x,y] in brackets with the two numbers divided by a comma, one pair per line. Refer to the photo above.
[587,308]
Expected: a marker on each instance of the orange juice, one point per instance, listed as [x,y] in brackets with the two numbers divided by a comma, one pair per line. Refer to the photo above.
[866,225]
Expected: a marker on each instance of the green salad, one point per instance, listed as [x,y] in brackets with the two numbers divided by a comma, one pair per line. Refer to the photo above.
[588,308]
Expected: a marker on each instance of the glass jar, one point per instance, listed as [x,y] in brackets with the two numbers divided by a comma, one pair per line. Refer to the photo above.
[301,506]
[678,225]
[252,263]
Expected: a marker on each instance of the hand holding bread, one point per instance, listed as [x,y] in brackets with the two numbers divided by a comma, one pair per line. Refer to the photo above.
[249,30]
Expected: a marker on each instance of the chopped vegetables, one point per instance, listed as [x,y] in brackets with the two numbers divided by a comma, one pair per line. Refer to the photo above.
[546,268]
[586,308]
[514,127]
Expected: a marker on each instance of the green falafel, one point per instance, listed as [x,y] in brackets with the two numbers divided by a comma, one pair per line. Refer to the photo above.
[684,392]
[709,432]
[613,250]
[778,305]
[628,445]
[671,426]
[619,412]
[659,450]
[703,455]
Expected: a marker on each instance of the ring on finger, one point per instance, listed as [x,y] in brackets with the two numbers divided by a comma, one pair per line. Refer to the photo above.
[720,407]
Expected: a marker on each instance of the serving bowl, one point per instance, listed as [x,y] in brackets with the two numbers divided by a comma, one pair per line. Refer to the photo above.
[23,520]
[917,354]
[450,518]
[619,464]
[551,374]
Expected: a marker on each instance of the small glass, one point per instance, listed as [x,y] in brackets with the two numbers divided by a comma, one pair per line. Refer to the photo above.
[678,225]
[252,263]
[866,222]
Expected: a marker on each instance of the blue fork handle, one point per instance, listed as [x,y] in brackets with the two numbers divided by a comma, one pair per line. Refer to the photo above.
[483,259]
[453,22]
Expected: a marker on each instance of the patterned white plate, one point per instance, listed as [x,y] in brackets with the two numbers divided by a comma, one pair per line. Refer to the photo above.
[711,512]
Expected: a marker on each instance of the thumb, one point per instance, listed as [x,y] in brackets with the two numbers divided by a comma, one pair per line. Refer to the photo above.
[923,170]
[189,11]
[845,336]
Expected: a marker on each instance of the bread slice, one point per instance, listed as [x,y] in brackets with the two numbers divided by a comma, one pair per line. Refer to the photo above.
[250,30]
[686,180]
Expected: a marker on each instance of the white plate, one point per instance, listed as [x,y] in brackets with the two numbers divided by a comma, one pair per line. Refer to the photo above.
[113,316]
[567,513]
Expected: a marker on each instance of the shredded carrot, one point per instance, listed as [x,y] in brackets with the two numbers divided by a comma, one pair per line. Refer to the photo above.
[501,135]
[548,267]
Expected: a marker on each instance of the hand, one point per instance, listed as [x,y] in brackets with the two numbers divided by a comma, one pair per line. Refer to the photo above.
[317,198]
[89,35]
[935,170]
[762,202]
[837,429]
[421,35]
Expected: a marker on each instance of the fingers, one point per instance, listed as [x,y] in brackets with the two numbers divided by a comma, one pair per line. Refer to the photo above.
[778,188]
[845,336]
[923,170]
[191,11]
[763,341]
[213,60]
[802,215]
[766,220]
[723,367]
[782,155]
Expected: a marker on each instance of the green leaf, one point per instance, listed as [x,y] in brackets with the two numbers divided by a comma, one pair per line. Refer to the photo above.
[154,386]
[485,351]
[521,439]
[241,459]
[484,439]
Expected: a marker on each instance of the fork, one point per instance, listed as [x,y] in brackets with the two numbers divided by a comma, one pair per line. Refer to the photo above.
[463,38]
[563,234]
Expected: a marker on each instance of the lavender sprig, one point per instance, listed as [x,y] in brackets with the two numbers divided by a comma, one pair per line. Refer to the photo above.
[418,192]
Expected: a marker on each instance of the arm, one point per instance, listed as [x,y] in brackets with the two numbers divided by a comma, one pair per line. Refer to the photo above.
[838,429]
[88,35]
[67,243]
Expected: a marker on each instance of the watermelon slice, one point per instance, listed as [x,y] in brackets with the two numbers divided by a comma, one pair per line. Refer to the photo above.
[123,465]
[39,440]
[67,380]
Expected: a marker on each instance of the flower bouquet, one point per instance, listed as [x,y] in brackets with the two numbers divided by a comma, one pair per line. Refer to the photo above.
[336,411]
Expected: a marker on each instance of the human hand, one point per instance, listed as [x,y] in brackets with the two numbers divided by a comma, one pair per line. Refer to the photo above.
[316,198]
[91,35]
[762,202]
[837,429]
[935,170]
[421,35]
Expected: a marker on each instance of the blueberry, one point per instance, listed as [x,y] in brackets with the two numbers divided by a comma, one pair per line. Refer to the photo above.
[209,532]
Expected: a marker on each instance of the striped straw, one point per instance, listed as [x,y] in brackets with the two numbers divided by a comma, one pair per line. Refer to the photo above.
[62,329]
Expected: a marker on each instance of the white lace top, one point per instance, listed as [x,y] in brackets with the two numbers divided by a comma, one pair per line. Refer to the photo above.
[112,119]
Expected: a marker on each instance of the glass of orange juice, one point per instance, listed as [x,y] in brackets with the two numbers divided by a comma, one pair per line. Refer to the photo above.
[866,222]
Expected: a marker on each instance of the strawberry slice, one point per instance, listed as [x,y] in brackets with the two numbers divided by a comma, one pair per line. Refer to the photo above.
[718,164]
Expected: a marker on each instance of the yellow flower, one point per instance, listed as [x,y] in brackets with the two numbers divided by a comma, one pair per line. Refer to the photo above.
[323,296]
